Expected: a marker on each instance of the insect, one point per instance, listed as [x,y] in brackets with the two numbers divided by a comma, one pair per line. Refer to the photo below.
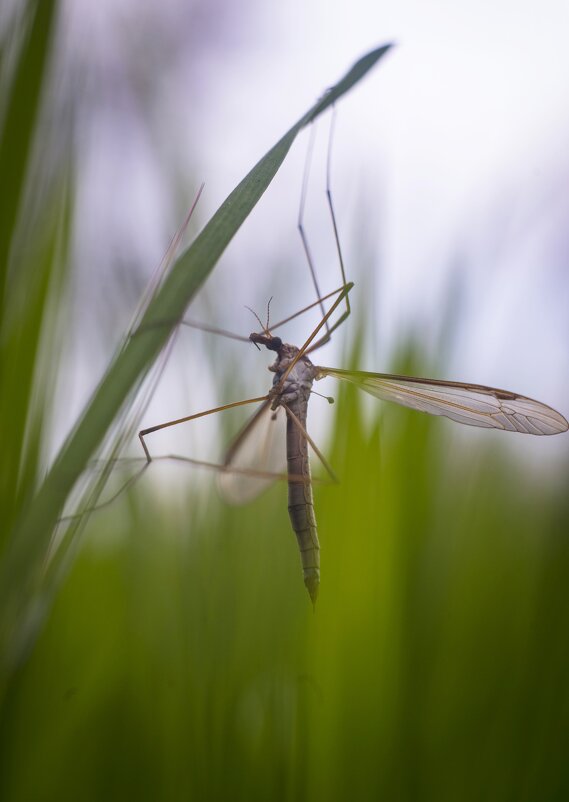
[294,375]
[287,400]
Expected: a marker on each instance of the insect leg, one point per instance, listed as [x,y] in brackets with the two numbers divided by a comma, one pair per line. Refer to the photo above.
[331,205]
[308,308]
[300,222]
[131,481]
[145,432]
[344,291]
[329,329]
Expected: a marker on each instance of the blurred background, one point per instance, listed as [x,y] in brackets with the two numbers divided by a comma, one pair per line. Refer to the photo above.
[181,658]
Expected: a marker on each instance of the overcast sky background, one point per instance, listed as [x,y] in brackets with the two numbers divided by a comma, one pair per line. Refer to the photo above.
[450,178]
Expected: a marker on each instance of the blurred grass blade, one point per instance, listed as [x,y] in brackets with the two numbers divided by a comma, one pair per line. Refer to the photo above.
[21,110]
[25,277]
[30,263]
[21,577]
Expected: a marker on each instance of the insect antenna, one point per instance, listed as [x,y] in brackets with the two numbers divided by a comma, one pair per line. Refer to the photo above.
[265,330]
[268,313]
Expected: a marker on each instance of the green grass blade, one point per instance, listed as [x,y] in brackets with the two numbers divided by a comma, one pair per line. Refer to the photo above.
[22,108]
[25,277]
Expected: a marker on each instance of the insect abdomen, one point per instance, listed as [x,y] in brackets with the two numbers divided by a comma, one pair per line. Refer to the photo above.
[300,503]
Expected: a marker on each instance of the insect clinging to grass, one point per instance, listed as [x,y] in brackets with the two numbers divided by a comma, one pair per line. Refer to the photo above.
[250,462]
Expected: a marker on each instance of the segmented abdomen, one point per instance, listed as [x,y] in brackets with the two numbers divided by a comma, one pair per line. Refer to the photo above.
[300,503]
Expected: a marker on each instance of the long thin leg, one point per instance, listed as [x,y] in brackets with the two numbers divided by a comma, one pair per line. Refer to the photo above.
[328,335]
[131,481]
[308,253]
[329,329]
[194,324]
[148,457]
[320,298]
[283,477]
[331,205]
[308,308]
[345,290]
[300,223]
[144,432]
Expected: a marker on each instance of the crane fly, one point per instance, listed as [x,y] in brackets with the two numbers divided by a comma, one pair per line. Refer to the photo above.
[294,376]
[252,461]
[295,373]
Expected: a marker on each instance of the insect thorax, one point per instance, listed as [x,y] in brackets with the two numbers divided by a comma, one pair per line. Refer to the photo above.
[298,383]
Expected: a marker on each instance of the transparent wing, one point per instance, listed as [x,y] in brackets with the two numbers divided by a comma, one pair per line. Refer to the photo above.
[472,404]
[259,448]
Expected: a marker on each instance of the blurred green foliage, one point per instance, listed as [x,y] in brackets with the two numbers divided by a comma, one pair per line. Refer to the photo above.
[182,658]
